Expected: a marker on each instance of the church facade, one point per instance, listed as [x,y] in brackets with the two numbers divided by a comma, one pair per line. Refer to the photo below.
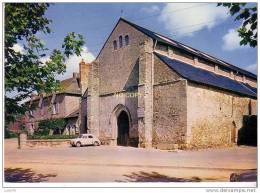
[147,90]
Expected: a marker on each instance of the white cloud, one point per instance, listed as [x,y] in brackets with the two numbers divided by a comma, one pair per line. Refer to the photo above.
[151,9]
[18,48]
[72,64]
[45,59]
[183,19]
[232,41]
[252,68]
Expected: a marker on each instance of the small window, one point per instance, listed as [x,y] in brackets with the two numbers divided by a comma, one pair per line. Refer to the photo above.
[115,45]
[120,41]
[90,136]
[126,40]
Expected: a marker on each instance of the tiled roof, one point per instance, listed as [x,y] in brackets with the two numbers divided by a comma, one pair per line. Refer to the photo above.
[205,77]
[68,86]
[171,42]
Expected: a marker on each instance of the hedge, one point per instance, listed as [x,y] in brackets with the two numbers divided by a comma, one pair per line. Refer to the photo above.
[46,125]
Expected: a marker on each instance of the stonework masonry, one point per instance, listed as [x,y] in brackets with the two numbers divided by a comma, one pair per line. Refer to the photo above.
[218,120]
[170,108]
[164,110]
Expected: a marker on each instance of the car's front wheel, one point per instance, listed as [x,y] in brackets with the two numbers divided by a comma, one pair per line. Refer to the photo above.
[78,144]
[96,143]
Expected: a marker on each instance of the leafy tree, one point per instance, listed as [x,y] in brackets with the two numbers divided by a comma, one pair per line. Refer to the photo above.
[25,72]
[248,15]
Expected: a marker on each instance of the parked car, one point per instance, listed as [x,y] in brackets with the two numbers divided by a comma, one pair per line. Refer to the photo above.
[85,139]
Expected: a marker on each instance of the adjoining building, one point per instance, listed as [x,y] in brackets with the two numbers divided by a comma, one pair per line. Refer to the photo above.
[64,104]
[147,90]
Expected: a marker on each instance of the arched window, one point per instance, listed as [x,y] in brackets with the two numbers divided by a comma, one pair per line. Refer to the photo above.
[126,40]
[115,45]
[120,41]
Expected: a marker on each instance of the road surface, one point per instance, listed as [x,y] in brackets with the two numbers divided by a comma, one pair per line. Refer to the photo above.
[124,164]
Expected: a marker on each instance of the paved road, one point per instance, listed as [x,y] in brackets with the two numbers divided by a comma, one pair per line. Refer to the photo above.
[125,164]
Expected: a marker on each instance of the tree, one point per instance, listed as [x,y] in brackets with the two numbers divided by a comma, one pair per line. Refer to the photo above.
[25,72]
[248,15]
[50,124]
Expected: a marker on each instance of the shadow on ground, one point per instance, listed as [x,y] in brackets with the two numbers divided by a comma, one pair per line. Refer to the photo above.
[156,177]
[25,175]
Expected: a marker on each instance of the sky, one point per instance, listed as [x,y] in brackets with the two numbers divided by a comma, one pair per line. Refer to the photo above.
[203,26]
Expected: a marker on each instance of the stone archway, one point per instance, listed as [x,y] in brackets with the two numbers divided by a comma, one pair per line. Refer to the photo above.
[121,125]
[122,129]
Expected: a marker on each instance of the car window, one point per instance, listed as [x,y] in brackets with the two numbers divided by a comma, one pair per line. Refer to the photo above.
[90,136]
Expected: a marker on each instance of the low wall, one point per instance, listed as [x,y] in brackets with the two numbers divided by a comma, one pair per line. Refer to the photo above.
[48,143]
[133,142]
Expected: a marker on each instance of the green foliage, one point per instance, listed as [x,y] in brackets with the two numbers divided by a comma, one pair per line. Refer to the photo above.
[248,15]
[72,43]
[45,126]
[52,137]
[9,134]
[25,73]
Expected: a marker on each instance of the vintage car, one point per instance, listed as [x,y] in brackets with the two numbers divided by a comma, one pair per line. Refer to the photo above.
[85,139]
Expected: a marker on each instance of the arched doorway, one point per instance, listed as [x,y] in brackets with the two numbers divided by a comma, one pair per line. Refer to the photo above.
[122,129]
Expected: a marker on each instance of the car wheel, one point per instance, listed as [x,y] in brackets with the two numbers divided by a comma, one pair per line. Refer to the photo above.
[96,143]
[78,144]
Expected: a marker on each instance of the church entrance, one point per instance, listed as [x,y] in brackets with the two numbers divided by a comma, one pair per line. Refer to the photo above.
[123,129]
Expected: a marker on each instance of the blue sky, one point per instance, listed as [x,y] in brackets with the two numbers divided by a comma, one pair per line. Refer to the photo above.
[202,26]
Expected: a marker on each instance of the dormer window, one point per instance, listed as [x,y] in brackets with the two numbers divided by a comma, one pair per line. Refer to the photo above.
[126,40]
[120,41]
[115,45]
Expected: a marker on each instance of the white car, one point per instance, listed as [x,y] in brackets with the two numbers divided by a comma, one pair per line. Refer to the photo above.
[85,139]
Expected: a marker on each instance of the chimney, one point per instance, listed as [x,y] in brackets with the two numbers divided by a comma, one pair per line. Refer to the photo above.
[83,75]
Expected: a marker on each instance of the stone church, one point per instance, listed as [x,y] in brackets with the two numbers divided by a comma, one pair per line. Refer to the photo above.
[147,90]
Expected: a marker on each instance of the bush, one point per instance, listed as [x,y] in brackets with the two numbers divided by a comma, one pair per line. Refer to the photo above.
[51,124]
[52,136]
[9,134]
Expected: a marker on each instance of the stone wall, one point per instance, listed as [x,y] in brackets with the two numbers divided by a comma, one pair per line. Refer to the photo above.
[48,143]
[214,116]
[118,73]
[108,128]
[163,73]
[170,115]
[71,103]
[83,115]
[45,112]
[118,67]
[93,99]
[169,108]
